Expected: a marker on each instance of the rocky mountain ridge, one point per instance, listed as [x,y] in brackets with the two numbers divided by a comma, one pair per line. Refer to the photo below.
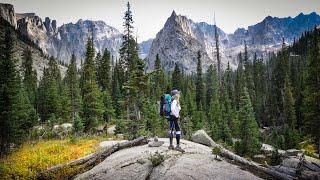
[174,45]
[62,41]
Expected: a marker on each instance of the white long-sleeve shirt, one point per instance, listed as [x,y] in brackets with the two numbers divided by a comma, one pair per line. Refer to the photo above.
[175,108]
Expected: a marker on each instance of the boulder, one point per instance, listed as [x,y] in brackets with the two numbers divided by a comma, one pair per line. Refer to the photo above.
[120,136]
[111,130]
[63,127]
[202,137]
[155,143]
[66,126]
[290,162]
[196,163]
[268,149]
[292,152]
[234,140]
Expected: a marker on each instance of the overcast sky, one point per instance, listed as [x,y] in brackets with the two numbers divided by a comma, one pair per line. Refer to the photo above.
[150,15]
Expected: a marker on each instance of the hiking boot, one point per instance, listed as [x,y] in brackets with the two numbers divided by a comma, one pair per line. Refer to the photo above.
[171,147]
[178,148]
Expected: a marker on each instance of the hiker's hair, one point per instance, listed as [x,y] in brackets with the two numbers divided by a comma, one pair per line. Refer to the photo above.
[176,97]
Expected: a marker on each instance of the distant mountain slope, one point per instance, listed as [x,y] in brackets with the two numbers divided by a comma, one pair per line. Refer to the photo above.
[62,41]
[22,42]
[144,48]
[73,37]
[180,38]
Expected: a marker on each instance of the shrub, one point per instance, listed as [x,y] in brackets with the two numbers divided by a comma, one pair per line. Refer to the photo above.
[32,158]
[308,147]
[120,126]
[238,149]
[216,151]
[275,158]
[156,159]
[78,124]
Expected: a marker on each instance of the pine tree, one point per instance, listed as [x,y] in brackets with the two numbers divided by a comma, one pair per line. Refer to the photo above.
[8,91]
[116,91]
[65,111]
[109,111]
[55,73]
[135,79]
[97,62]
[248,76]
[104,70]
[159,79]
[78,125]
[210,86]
[47,96]
[248,126]
[277,86]
[229,85]
[239,82]
[24,116]
[215,117]
[216,37]
[177,77]
[72,81]
[49,91]
[311,100]
[29,75]
[93,110]
[260,85]
[190,105]
[288,104]
[17,115]
[199,84]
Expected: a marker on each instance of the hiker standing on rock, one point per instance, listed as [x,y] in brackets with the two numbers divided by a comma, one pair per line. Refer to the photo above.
[174,118]
[170,109]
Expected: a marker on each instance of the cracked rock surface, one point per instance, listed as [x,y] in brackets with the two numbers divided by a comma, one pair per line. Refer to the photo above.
[196,163]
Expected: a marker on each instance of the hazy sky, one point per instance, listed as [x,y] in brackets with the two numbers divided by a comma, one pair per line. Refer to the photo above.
[150,15]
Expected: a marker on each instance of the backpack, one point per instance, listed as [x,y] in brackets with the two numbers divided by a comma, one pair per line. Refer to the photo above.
[165,105]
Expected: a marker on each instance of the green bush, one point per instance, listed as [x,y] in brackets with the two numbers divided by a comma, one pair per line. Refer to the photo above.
[120,126]
[78,125]
[238,149]
[156,159]
[275,158]
[216,151]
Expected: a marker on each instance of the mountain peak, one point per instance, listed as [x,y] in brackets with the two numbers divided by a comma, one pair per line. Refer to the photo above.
[173,14]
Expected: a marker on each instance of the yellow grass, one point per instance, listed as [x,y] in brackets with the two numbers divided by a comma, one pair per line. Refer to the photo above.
[32,158]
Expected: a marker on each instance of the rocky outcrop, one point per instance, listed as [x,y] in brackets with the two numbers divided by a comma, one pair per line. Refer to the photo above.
[202,137]
[72,38]
[196,163]
[62,41]
[8,14]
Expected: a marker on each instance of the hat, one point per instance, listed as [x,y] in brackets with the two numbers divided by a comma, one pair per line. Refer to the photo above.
[175,91]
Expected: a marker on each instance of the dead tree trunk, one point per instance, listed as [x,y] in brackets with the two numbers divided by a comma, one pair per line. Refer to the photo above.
[254,166]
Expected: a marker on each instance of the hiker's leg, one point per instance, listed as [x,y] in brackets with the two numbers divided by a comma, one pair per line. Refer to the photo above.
[171,126]
[178,131]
